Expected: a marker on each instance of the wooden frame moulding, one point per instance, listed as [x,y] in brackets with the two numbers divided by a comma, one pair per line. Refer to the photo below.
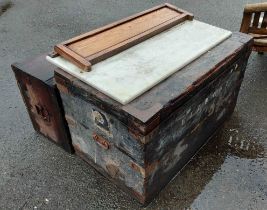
[92,47]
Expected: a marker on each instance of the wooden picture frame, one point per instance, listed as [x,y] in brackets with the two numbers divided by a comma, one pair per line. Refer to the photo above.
[97,45]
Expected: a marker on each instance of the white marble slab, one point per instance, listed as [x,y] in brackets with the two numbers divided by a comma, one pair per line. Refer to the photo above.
[129,74]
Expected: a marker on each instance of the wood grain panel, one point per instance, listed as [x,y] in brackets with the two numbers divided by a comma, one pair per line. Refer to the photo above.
[92,47]
[122,32]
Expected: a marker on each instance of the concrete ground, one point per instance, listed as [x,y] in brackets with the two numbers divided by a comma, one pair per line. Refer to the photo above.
[230,172]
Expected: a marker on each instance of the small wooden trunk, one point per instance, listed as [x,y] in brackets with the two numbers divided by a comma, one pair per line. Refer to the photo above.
[141,146]
[35,79]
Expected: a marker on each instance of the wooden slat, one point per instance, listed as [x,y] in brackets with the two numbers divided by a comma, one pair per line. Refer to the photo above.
[74,57]
[258,36]
[259,48]
[262,31]
[100,44]
[260,42]
[109,26]
[258,7]
[264,21]
[123,32]
[246,21]
[256,19]
[101,55]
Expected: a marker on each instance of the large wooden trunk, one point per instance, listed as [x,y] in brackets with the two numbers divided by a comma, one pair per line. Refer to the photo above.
[141,146]
[35,78]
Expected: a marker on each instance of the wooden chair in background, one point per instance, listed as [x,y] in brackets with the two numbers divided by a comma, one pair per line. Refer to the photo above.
[254,23]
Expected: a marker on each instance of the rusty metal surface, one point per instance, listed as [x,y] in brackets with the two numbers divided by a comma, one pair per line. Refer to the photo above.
[101,141]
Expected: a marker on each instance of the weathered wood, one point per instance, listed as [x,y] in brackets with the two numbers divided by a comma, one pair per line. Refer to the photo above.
[90,45]
[143,113]
[246,21]
[257,31]
[256,7]
[142,146]
[264,21]
[259,49]
[75,58]
[98,45]
[256,26]
[256,19]
[35,79]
